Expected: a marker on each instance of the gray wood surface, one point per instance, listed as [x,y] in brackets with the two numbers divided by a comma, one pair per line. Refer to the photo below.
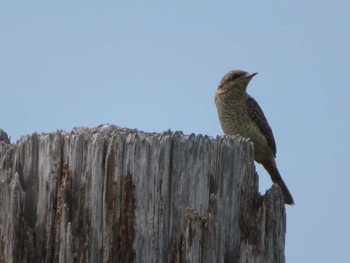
[109,194]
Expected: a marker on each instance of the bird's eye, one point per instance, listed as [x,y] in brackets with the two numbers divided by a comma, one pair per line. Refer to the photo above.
[237,75]
[232,76]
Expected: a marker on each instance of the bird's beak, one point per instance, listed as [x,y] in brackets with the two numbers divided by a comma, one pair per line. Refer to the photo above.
[248,77]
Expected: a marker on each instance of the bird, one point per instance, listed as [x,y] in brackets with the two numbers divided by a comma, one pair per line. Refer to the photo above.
[240,114]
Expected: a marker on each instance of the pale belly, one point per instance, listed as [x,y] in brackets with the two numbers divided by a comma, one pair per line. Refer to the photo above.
[243,126]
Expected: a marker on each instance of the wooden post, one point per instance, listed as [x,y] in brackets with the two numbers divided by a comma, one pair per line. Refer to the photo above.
[109,194]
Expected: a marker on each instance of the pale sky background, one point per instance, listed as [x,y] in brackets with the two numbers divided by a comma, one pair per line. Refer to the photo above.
[155,65]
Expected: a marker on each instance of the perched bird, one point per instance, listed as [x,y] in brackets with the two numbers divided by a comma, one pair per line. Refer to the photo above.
[240,114]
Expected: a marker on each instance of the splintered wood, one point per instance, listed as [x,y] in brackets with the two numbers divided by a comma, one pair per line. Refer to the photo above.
[109,194]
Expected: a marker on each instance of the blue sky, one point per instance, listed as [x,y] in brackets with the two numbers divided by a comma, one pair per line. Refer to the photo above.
[155,65]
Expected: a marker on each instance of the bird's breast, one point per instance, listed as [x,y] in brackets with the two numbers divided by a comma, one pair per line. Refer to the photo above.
[235,120]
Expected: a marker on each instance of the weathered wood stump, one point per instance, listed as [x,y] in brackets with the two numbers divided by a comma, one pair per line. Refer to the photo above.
[109,194]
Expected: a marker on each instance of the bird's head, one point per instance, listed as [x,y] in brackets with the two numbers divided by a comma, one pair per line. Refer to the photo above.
[236,81]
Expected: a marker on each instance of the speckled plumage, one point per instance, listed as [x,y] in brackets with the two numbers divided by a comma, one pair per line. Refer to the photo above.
[240,114]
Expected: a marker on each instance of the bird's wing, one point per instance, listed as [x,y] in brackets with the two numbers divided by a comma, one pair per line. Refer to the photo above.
[259,118]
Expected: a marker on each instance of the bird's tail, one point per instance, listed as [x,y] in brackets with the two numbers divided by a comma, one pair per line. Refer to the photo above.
[271,168]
